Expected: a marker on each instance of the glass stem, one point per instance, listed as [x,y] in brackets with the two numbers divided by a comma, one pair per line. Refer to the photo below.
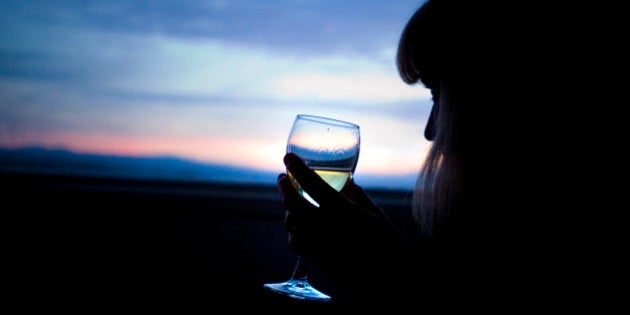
[301,270]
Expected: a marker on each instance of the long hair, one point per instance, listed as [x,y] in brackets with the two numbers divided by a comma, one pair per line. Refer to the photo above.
[419,59]
[439,184]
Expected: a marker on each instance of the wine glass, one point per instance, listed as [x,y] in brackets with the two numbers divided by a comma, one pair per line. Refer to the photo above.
[331,148]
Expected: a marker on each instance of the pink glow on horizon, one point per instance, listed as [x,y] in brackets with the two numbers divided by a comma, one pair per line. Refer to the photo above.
[250,152]
[233,151]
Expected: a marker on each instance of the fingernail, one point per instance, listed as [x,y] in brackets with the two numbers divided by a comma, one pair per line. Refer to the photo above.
[280,177]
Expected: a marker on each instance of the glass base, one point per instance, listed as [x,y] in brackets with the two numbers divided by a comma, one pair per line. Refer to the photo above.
[298,289]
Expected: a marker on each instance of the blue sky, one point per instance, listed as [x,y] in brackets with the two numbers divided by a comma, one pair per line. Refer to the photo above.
[212,81]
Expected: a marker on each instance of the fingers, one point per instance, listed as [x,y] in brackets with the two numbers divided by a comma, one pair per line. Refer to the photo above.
[300,232]
[291,222]
[358,196]
[290,198]
[352,189]
[317,188]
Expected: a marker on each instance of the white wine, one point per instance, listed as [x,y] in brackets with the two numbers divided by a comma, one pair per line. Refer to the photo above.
[336,179]
[330,147]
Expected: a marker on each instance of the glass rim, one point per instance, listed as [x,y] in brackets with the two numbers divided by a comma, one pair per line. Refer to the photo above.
[327,120]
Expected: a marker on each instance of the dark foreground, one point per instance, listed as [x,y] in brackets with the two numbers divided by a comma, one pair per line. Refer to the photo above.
[97,244]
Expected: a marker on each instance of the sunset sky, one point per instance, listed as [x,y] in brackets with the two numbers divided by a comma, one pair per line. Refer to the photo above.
[213,81]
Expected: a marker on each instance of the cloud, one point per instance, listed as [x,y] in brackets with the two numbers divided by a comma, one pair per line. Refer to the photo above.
[130,63]
[213,80]
[209,49]
[368,87]
[296,26]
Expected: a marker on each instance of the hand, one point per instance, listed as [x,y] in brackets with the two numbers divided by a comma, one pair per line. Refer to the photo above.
[345,228]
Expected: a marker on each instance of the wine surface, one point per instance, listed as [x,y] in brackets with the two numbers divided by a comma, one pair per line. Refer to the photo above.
[336,179]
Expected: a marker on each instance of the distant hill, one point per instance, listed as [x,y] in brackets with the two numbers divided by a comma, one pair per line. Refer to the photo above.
[62,162]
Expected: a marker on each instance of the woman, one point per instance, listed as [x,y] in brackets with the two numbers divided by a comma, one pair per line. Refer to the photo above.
[459,221]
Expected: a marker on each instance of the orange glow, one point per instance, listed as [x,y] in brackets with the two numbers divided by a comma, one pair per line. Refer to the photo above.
[258,153]
[247,152]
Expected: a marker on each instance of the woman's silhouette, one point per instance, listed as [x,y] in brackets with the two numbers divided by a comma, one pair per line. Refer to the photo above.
[485,203]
